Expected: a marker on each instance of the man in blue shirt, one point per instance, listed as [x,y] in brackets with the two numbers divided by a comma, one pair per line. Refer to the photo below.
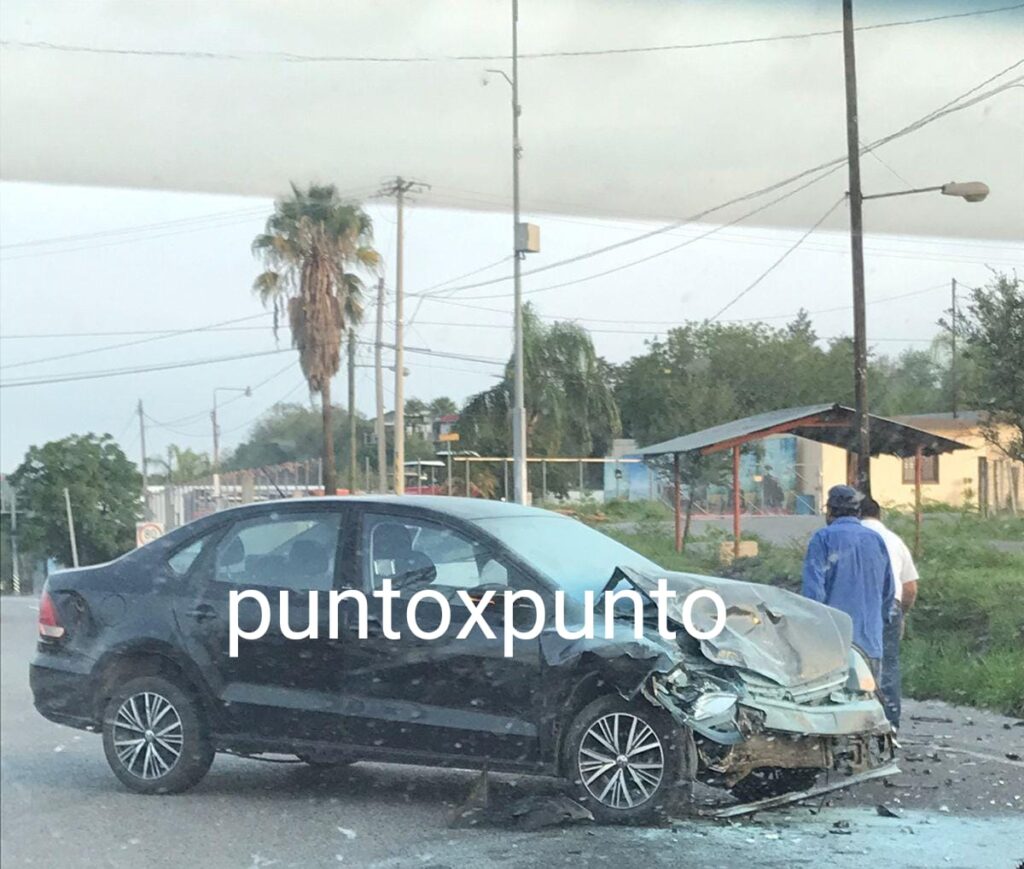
[847,567]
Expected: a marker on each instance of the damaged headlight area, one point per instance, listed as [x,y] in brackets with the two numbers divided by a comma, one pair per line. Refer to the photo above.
[759,738]
[704,702]
[860,679]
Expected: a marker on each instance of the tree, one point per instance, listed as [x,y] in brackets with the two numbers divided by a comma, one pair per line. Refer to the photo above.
[570,406]
[442,406]
[182,465]
[993,329]
[104,489]
[310,243]
[291,432]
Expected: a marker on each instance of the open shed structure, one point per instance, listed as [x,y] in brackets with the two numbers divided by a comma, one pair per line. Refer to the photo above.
[832,424]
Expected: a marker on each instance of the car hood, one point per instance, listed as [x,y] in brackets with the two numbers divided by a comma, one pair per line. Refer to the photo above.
[776,633]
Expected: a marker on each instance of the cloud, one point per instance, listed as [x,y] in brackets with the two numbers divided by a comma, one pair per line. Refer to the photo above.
[660,135]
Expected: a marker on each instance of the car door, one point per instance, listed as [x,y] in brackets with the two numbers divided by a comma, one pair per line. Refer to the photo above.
[276,687]
[443,696]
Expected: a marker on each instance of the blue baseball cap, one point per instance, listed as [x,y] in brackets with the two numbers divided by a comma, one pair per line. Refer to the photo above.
[844,498]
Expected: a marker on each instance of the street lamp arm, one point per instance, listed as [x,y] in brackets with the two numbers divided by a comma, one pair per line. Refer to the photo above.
[971,191]
[502,73]
[903,192]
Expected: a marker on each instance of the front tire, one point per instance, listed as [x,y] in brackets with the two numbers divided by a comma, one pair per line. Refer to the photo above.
[622,759]
[154,736]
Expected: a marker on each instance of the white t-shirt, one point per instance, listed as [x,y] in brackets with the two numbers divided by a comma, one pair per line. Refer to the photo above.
[903,569]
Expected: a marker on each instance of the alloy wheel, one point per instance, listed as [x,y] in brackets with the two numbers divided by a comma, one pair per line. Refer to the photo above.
[148,735]
[621,760]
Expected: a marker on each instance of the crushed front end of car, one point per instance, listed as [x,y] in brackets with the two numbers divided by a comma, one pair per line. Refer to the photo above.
[780,702]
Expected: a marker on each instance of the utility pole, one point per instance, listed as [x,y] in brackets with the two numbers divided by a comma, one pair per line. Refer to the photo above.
[860,344]
[519,388]
[398,188]
[352,411]
[15,573]
[216,455]
[71,528]
[378,365]
[145,474]
[952,357]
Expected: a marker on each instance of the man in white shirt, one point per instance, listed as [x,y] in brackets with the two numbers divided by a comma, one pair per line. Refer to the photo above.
[905,576]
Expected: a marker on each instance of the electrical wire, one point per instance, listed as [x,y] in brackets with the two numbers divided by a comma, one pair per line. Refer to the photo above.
[167,366]
[118,346]
[832,165]
[779,261]
[291,57]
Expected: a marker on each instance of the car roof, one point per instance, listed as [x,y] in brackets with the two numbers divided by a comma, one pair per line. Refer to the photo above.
[460,508]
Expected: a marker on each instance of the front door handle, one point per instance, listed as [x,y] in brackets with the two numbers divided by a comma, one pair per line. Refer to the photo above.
[202,612]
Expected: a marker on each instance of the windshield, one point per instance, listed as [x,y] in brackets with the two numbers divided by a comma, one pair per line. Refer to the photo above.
[572,555]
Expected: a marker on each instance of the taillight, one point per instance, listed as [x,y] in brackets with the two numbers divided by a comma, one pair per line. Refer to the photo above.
[49,623]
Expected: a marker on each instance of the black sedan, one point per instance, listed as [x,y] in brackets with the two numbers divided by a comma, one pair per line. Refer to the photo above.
[138,649]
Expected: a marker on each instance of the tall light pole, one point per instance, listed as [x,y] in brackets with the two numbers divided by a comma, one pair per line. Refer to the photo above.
[525,239]
[378,365]
[245,390]
[519,388]
[970,191]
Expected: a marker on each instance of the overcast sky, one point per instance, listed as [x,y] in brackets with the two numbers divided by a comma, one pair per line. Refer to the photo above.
[608,140]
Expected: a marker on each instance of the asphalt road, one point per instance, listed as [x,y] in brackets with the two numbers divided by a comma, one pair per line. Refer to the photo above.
[960,802]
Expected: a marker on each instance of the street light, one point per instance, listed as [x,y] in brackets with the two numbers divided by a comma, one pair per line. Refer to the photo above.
[247,392]
[524,240]
[970,191]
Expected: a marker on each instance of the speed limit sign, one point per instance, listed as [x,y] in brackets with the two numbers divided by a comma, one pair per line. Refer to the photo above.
[147,532]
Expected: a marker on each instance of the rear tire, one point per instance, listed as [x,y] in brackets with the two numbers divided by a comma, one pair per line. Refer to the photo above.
[154,736]
[622,760]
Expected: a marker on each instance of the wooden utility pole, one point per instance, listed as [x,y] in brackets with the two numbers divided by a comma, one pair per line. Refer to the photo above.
[352,459]
[860,344]
[398,188]
[378,365]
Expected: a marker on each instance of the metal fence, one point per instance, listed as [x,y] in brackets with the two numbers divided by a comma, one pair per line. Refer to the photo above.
[560,478]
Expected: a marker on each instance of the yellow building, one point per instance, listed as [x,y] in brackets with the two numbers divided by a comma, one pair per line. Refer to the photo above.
[979,475]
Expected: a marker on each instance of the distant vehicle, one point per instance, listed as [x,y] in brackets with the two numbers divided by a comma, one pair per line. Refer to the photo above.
[138,650]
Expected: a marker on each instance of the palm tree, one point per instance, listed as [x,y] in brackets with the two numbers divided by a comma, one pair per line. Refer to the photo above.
[311,242]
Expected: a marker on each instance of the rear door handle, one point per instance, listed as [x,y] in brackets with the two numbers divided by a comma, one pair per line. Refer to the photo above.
[202,612]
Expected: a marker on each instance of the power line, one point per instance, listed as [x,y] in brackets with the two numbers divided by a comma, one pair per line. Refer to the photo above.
[291,57]
[706,234]
[130,230]
[118,346]
[205,413]
[98,375]
[826,168]
[16,336]
[677,322]
[144,232]
[779,261]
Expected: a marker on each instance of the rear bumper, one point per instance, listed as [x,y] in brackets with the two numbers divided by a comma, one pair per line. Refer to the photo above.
[62,690]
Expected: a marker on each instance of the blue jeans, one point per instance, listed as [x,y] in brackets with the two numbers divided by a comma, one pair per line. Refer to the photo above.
[891,683]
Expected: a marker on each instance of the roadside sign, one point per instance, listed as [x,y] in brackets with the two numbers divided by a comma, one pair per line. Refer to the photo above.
[449,437]
[147,532]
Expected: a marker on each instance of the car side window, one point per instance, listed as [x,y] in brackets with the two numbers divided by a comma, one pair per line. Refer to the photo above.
[418,553]
[280,550]
[182,559]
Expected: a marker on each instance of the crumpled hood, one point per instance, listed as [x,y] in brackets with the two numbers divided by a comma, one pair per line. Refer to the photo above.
[776,633]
